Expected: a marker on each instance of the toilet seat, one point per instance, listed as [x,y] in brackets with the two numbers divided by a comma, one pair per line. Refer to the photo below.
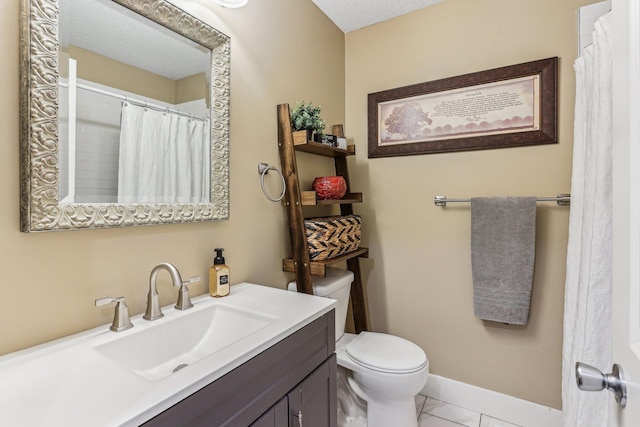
[386,353]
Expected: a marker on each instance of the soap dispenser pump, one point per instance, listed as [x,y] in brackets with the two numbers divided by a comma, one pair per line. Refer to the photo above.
[219,276]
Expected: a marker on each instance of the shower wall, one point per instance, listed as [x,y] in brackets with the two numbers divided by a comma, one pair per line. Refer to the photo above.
[97,145]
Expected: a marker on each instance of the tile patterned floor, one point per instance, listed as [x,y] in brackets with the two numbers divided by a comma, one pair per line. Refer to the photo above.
[435,413]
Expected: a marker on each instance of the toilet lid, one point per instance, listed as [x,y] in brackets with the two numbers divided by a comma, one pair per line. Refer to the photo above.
[386,353]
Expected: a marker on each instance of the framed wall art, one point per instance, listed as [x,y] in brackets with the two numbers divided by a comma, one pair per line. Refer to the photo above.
[503,107]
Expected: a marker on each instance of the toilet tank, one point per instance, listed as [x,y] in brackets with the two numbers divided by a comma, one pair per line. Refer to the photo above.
[336,285]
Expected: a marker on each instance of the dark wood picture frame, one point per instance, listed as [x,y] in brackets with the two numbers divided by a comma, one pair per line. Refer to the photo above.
[540,127]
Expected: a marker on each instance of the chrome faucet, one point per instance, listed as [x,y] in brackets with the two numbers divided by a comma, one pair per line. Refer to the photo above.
[153,300]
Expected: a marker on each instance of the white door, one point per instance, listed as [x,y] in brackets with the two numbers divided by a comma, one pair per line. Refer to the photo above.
[626,206]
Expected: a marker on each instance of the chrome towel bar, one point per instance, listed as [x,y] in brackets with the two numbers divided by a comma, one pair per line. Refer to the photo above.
[560,199]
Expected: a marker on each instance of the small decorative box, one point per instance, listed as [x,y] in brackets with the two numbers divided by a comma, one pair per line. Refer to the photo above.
[326,139]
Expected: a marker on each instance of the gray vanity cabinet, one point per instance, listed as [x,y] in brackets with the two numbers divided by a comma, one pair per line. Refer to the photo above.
[294,378]
[309,404]
[277,416]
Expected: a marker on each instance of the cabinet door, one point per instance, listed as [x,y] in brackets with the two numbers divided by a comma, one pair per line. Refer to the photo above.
[312,403]
[274,417]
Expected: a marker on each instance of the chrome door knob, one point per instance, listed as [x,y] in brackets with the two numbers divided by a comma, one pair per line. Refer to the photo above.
[589,378]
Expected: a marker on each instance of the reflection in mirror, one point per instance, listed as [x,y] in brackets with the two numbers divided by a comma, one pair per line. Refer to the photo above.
[139,127]
[141,132]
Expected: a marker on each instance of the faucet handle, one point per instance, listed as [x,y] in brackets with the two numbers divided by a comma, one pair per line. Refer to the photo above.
[121,319]
[193,279]
[184,300]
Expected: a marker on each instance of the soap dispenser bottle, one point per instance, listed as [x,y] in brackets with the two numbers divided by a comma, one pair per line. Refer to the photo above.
[219,276]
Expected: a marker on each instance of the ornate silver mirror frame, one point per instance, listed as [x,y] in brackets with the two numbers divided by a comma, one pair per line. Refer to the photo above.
[40,209]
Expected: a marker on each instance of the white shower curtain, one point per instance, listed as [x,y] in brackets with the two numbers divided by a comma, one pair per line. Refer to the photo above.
[164,157]
[587,305]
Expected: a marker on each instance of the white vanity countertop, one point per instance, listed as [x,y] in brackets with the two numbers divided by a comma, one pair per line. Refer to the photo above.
[67,382]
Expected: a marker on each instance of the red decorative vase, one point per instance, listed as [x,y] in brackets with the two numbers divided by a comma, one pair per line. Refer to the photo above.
[330,187]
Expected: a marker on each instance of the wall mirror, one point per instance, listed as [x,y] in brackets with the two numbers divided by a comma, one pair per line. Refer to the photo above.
[124,115]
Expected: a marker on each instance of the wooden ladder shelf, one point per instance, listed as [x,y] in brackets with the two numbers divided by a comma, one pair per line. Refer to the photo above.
[295,199]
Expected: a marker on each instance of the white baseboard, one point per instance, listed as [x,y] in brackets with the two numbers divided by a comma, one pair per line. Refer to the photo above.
[497,405]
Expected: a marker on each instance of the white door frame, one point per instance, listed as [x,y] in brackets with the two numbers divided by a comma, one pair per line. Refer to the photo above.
[626,205]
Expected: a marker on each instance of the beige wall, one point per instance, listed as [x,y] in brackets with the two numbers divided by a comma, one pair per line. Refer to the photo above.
[109,72]
[49,280]
[192,88]
[106,71]
[419,274]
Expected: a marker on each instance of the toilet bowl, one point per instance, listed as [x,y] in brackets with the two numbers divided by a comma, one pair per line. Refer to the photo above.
[383,370]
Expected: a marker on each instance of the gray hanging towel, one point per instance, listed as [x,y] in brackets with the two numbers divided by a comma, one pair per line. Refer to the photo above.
[503,242]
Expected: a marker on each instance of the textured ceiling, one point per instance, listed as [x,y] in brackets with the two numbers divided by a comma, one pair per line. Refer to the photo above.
[111,30]
[351,15]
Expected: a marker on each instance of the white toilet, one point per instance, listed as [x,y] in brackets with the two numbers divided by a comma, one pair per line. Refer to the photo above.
[386,371]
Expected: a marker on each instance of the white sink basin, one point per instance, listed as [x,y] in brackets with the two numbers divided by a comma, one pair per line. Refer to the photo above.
[158,352]
[101,378]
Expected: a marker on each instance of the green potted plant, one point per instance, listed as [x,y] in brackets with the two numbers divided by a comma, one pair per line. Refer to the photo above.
[306,117]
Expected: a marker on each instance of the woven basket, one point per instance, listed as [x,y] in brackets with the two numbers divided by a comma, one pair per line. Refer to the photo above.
[332,236]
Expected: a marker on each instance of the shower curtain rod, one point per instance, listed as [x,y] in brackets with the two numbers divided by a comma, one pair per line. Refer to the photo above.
[138,102]
[560,199]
